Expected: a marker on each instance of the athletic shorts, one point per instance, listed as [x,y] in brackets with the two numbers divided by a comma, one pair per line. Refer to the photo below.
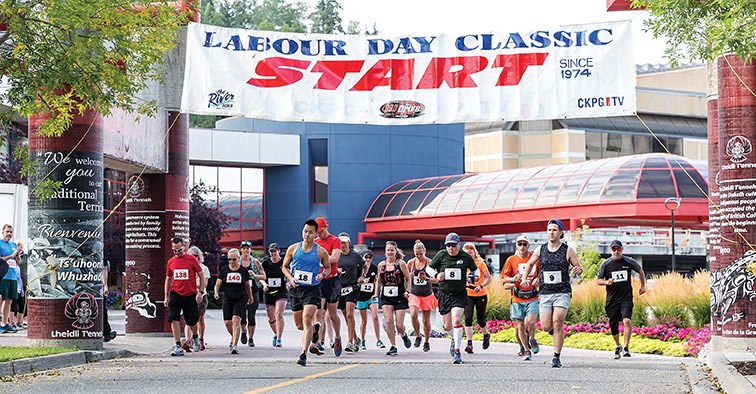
[330,289]
[547,302]
[304,295]
[8,289]
[271,299]
[234,307]
[17,306]
[396,302]
[446,302]
[622,309]
[423,303]
[202,307]
[361,305]
[188,305]
[518,310]
[349,295]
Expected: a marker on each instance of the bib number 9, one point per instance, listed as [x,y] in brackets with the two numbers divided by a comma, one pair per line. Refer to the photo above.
[552,277]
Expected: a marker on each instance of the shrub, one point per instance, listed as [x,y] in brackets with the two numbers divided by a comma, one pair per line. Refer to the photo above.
[499,300]
[699,303]
[668,298]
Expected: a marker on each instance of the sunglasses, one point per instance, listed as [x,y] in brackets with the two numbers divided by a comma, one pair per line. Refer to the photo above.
[451,245]
[522,244]
[232,259]
[177,250]
[195,255]
[616,248]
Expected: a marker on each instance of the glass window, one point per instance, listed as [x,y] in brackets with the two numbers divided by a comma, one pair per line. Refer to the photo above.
[548,194]
[689,188]
[469,198]
[572,189]
[413,204]
[208,175]
[230,204]
[379,206]
[431,203]
[592,189]
[656,162]
[527,195]
[320,187]
[593,148]
[414,185]
[252,180]
[488,197]
[508,195]
[395,206]
[251,206]
[229,179]
[656,184]
[451,180]
[450,200]
[621,186]
[397,186]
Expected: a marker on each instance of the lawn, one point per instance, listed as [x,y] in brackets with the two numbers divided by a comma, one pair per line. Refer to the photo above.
[9,353]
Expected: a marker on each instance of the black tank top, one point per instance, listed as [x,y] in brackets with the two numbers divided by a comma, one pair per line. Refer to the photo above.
[394,277]
[420,288]
[555,270]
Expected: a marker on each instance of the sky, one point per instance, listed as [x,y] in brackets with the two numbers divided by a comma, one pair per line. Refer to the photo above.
[400,17]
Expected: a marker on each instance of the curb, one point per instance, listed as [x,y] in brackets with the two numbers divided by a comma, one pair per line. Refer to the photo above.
[44,363]
[729,378]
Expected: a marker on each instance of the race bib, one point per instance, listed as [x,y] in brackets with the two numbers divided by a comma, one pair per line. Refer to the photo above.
[419,282]
[181,274]
[619,276]
[274,282]
[12,263]
[233,277]
[367,287]
[391,291]
[303,277]
[552,277]
[453,274]
[346,290]
[521,268]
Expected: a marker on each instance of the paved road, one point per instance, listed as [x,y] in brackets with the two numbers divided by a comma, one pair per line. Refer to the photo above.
[263,368]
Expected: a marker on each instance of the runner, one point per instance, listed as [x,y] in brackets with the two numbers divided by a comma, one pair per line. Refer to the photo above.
[392,283]
[421,296]
[202,306]
[331,287]
[614,273]
[524,307]
[556,259]
[366,301]
[351,266]
[233,279]
[452,266]
[477,298]
[181,294]
[257,276]
[302,269]
[275,294]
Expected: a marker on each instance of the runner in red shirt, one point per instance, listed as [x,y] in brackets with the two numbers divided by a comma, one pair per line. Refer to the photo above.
[330,286]
[181,293]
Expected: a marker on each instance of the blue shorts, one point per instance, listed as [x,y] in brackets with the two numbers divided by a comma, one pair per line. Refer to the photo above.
[518,310]
[365,304]
[549,301]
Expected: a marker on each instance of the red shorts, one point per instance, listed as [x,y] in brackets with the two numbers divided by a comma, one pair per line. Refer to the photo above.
[427,303]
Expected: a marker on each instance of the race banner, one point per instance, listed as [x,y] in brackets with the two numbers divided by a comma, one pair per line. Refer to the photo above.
[571,71]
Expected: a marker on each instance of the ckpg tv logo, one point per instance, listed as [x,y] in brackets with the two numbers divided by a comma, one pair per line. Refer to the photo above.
[220,99]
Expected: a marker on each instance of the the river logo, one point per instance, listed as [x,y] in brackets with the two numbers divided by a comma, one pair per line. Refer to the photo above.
[737,148]
[402,109]
[82,309]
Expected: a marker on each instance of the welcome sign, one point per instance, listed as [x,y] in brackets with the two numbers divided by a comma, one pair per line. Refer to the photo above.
[565,72]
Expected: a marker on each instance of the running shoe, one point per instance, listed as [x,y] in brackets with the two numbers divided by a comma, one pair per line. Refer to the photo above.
[337,349]
[109,336]
[362,345]
[331,345]
[626,353]
[527,356]
[9,328]
[534,346]
[521,352]
[302,359]
[468,348]
[314,350]
[486,340]
[278,342]
[457,357]
[195,345]
[315,332]
[392,351]
[251,343]
[406,340]
[244,337]
[348,347]
[2,330]
[451,348]
[418,340]
[202,344]
[556,363]
[379,344]
[177,351]
[618,352]
[187,346]
[234,351]
[426,347]
[320,347]
[274,340]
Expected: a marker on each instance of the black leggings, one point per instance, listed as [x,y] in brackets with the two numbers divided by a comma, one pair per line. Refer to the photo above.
[251,310]
[479,303]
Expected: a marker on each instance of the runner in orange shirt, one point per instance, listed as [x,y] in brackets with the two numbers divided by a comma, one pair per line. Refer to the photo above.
[524,308]
[477,298]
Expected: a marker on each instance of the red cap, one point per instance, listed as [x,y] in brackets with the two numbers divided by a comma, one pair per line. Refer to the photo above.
[321,223]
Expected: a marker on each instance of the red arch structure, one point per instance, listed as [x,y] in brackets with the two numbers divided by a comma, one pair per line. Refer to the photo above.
[622,191]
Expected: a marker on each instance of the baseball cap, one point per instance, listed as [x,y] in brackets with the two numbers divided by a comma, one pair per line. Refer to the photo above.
[344,237]
[321,223]
[367,252]
[273,246]
[246,243]
[452,238]
[559,224]
[616,244]
[523,237]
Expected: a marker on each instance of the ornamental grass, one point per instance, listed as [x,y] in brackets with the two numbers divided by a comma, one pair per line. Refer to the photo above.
[668,297]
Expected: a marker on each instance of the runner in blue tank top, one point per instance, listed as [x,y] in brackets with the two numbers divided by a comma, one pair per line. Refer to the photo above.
[557,262]
[301,266]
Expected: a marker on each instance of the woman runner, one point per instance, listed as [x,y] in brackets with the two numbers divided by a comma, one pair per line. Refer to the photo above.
[421,296]
[233,279]
[476,298]
[392,283]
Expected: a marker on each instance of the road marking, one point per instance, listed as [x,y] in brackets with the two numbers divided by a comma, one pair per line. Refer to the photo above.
[294,381]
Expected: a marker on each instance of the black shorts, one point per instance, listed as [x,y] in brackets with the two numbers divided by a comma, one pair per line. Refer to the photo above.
[350,296]
[234,307]
[446,302]
[188,305]
[330,289]
[280,294]
[396,302]
[620,309]
[18,305]
[304,295]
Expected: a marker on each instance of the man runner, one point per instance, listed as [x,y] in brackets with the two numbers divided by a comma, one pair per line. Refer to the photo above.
[181,293]
[351,266]
[330,288]
[524,307]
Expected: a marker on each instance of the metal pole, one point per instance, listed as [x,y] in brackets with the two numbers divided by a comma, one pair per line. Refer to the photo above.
[673,240]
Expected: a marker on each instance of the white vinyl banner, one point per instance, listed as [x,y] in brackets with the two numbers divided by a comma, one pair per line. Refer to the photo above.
[565,72]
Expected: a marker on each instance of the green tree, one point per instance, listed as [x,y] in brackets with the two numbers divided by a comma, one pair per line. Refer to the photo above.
[326,18]
[703,29]
[207,224]
[587,252]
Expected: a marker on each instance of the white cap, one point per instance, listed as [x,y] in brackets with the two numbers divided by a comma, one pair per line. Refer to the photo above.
[523,237]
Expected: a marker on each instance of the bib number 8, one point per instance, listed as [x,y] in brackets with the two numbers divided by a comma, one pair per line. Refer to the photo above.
[453,274]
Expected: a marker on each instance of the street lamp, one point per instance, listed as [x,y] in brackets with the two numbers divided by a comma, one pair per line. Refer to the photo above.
[672,204]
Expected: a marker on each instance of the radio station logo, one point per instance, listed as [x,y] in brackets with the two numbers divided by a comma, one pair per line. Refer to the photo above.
[402,109]
[220,99]
[737,148]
